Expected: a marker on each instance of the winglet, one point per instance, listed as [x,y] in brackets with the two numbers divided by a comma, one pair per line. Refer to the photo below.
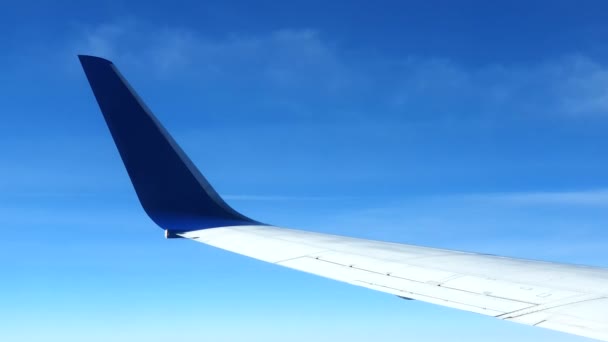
[172,191]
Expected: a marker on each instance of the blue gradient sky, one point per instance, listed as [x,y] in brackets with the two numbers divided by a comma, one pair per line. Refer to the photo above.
[474,126]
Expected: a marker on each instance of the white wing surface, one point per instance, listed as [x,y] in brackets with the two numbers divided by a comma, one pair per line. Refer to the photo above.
[567,298]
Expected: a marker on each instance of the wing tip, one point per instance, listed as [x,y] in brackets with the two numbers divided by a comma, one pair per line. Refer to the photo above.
[170,188]
[88,59]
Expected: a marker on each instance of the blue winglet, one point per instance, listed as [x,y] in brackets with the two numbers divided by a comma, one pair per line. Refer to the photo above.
[170,188]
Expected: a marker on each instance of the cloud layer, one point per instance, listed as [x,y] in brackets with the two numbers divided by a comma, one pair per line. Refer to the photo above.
[298,69]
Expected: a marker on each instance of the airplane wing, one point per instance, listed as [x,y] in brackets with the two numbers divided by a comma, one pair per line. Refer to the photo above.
[176,196]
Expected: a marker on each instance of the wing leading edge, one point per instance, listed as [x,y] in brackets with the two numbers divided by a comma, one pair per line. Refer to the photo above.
[176,196]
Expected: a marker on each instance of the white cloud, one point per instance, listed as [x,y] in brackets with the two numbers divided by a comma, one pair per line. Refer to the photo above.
[597,197]
[587,84]
[283,57]
[311,67]
[102,39]
[282,198]
[571,85]
[559,226]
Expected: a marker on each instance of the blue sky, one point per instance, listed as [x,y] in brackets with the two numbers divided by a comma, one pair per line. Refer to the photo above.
[477,126]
